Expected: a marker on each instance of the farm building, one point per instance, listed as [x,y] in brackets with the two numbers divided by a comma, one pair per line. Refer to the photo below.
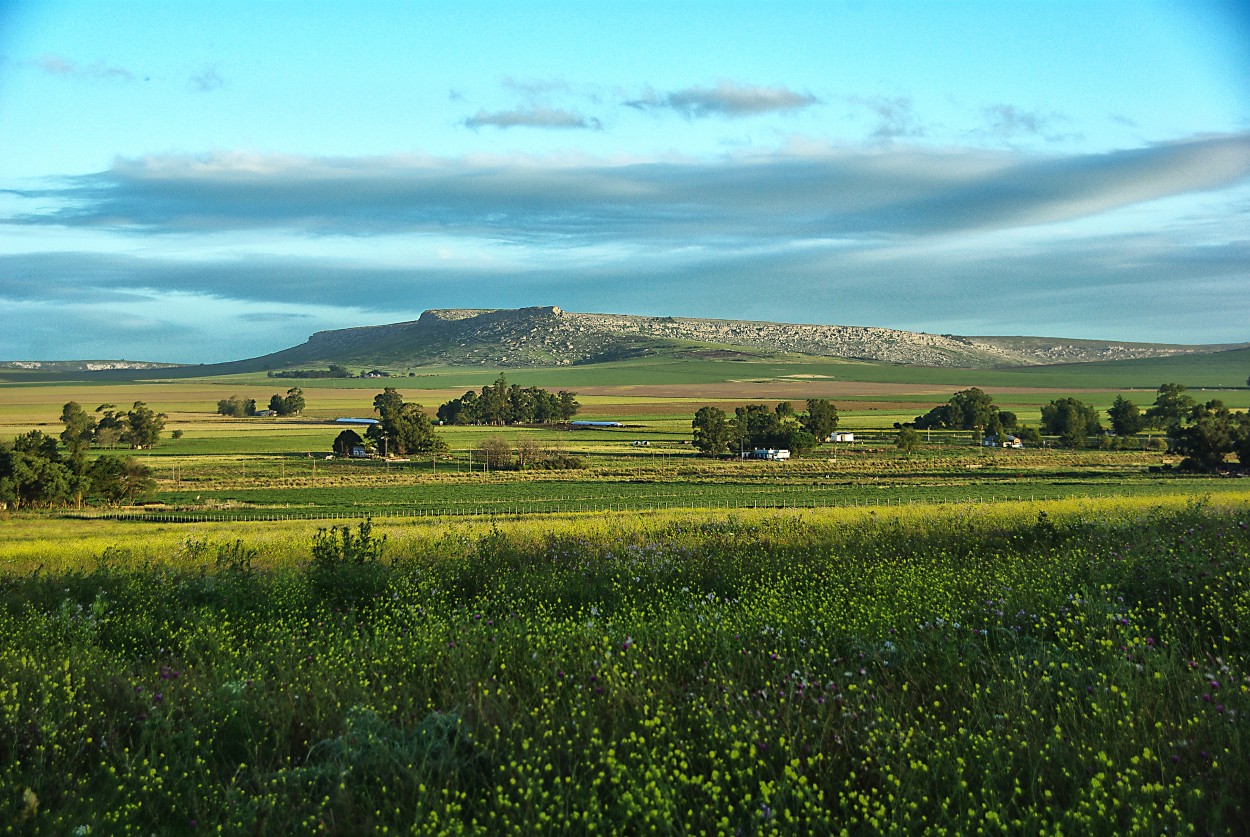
[841,437]
[771,454]
[595,424]
[1007,442]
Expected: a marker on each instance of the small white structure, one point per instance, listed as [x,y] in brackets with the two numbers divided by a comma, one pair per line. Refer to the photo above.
[641,443]
[771,454]
[841,437]
[359,452]
[1007,442]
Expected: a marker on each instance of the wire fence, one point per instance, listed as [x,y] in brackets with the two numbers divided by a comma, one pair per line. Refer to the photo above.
[556,506]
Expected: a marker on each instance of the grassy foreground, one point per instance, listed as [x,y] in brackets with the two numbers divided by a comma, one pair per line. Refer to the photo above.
[1079,669]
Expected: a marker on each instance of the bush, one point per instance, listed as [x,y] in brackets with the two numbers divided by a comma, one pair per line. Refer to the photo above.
[346,568]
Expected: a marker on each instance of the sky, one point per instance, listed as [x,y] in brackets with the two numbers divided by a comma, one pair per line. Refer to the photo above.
[197,182]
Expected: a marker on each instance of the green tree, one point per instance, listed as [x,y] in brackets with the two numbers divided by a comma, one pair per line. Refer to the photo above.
[1029,435]
[968,409]
[110,427]
[1172,406]
[346,441]
[77,435]
[292,404]
[237,406]
[403,430]
[116,480]
[1126,417]
[32,474]
[1071,420]
[143,426]
[567,405]
[908,440]
[821,418]
[1211,434]
[711,430]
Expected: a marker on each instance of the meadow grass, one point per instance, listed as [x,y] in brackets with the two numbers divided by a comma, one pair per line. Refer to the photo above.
[1078,669]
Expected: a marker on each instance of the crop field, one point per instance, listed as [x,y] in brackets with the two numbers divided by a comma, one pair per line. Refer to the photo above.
[1080,669]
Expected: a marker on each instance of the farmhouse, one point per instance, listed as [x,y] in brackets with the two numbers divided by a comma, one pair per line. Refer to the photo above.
[1007,442]
[771,454]
[841,437]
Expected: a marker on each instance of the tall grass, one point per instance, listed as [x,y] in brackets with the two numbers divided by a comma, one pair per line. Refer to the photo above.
[1078,668]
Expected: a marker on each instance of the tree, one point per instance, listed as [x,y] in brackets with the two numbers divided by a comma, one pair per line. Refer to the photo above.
[346,441]
[143,426]
[821,419]
[908,440]
[77,435]
[1126,417]
[292,404]
[1172,406]
[528,452]
[711,430]
[115,480]
[495,452]
[755,426]
[1210,436]
[1241,439]
[1071,420]
[567,405]
[237,406]
[110,427]
[388,401]
[1028,435]
[33,475]
[403,429]
[968,409]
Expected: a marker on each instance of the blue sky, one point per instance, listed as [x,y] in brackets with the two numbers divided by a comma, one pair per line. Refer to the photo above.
[208,181]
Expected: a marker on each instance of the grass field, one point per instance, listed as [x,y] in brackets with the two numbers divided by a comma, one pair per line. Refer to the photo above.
[1081,669]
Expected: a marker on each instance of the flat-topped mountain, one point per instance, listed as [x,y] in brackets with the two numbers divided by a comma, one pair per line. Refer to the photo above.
[550,336]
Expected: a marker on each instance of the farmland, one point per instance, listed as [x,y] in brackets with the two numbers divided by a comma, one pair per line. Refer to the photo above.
[954,639]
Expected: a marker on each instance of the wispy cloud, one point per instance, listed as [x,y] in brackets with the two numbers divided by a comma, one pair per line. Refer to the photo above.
[895,116]
[206,81]
[1009,122]
[533,117]
[58,65]
[726,99]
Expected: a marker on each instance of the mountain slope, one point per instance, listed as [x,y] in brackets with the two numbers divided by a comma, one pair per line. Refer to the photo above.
[549,336]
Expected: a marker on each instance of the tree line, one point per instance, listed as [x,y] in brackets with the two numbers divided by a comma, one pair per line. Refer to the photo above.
[754,426]
[35,474]
[1205,434]
[501,403]
[291,404]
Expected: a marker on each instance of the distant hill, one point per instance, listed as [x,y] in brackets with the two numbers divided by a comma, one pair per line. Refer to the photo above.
[82,365]
[549,336]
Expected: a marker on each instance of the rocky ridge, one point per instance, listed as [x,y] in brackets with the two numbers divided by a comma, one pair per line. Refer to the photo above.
[549,335]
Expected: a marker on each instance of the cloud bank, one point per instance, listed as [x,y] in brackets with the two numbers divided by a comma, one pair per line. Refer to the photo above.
[885,236]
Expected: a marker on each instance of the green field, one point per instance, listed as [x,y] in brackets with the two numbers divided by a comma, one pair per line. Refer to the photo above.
[1079,669]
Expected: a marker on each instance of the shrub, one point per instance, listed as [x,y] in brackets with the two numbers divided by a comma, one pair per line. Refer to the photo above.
[347,568]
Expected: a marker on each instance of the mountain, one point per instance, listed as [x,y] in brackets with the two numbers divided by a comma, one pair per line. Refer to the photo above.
[550,336]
